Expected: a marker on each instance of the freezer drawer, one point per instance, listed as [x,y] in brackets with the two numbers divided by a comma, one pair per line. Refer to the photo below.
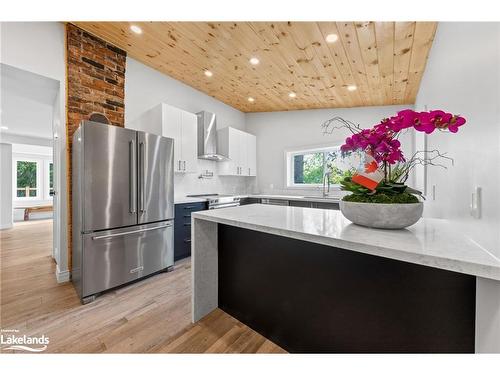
[112,258]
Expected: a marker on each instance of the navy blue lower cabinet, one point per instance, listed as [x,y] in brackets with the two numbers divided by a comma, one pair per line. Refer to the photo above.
[182,228]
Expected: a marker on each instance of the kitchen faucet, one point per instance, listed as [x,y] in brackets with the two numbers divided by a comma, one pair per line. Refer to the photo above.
[326,177]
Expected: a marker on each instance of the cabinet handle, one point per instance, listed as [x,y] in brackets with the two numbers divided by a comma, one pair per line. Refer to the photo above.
[189,207]
[179,166]
[187,240]
[184,164]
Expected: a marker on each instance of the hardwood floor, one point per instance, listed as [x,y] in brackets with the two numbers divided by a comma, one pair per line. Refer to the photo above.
[150,316]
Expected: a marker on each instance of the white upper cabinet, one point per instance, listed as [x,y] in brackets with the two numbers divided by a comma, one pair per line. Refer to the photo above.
[239,147]
[175,123]
[251,154]
[182,127]
[171,128]
[189,142]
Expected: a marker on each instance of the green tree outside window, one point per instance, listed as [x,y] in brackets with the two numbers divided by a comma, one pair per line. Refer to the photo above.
[309,168]
[26,179]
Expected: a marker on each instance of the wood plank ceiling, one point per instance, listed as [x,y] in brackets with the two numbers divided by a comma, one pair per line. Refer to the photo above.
[384,61]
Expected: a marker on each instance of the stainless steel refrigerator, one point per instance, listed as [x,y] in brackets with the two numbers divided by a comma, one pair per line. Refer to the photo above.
[123,206]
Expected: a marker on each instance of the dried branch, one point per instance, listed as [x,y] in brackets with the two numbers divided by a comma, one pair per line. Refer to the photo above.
[339,123]
[431,157]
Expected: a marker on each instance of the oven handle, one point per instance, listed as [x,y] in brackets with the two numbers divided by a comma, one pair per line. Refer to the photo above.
[223,205]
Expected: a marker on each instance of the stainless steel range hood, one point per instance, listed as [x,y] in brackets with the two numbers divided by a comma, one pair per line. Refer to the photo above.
[207,137]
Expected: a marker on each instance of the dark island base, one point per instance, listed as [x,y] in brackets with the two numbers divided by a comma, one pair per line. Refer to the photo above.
[311,298]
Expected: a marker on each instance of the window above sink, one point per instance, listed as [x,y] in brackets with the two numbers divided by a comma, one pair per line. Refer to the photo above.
[305,167]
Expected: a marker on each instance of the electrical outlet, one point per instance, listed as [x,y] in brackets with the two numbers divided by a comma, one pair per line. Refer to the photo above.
[476,202]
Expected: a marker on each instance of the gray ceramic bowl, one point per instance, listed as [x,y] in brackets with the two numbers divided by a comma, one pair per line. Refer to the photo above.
[382,215]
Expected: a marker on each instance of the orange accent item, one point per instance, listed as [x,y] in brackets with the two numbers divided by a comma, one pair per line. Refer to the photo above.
[365,181]
[371,167]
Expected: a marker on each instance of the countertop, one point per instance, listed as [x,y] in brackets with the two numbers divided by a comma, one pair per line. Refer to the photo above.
[430,242]
[181,200]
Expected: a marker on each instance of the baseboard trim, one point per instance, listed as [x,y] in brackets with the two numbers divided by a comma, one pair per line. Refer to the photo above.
[6,226]
[62,276]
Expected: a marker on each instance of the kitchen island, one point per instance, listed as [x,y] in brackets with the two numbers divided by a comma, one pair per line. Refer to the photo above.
[311,281]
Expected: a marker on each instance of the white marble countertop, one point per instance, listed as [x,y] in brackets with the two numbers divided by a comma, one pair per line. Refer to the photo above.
[430,242]
[181,200]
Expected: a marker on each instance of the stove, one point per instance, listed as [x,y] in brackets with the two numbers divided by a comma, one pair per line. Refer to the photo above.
[218,200]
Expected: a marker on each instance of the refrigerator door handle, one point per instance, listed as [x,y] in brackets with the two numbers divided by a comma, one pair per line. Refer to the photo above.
[141,177]
[132,178]
[130,232]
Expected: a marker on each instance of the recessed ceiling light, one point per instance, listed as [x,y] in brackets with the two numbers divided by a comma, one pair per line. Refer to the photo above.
[292,95]
[208,73]
[4,127]
[251,100]
[254,61]
[331,38]
[352,87]
[136,29]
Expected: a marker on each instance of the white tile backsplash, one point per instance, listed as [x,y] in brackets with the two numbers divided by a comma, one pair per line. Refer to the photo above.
[190,183]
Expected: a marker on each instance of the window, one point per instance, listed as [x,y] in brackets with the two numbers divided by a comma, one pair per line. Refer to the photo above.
[51,179]
[27,185]
[306,168]
[32,177]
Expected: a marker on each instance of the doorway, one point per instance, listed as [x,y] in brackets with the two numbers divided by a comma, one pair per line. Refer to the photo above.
[31,168]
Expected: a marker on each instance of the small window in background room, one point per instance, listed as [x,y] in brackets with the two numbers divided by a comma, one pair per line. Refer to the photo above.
[51,179]
[26,179]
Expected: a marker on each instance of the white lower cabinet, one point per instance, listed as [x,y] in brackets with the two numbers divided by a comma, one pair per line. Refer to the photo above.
[240,148]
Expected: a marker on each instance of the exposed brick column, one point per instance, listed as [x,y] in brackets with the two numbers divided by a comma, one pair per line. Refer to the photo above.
[95,72]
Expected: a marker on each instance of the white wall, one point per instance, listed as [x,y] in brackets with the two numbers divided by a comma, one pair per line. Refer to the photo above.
[23,139]
[39,47]
[27,102]
[34,46]
[146,87]
[463,76]
[466,81]
[280,131]
[5,186]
